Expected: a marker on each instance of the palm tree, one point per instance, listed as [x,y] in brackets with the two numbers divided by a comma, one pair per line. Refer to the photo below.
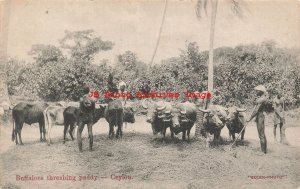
[159,34]
[202,5]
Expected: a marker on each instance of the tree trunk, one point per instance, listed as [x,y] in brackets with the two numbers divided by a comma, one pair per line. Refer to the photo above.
[214,6]
[199,124]
[159,34]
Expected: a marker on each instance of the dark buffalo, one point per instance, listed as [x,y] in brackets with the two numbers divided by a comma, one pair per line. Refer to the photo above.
[159,114]
[184,117]
[214,120]
[28,113]
[236,121]
[70,115]
[116,115]
[129,115]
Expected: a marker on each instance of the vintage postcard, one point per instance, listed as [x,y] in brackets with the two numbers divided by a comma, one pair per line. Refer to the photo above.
[149,94]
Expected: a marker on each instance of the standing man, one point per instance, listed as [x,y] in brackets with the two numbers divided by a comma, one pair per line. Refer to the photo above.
[122,89]
[278,105]
[258,112]
[86,116]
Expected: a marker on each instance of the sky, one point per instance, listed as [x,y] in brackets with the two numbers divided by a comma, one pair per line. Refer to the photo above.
[134,24]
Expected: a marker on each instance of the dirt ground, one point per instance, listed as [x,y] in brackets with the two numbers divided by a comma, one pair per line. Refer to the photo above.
[142,160]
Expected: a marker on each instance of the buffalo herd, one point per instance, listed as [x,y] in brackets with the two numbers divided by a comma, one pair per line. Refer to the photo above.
[162,115]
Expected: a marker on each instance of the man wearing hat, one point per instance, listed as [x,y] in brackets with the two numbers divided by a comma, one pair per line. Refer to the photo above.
[258,112]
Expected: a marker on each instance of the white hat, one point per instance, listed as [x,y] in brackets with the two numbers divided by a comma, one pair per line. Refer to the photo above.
[121,84]
[261,88]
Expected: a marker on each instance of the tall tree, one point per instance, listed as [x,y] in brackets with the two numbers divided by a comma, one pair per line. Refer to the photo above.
[44,54]
[159,34]
[202,5]
[84,45]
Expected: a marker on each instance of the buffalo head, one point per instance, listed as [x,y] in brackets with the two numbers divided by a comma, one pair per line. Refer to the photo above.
[212,118]
[233,113]
[155,109]
[99,112]
[129,115]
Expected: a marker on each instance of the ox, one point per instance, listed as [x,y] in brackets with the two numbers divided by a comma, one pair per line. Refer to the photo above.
[58,115]
[160,117]
[115,114]
[214,120]
[70,118]
[183,118]
[236,121]
[28,113]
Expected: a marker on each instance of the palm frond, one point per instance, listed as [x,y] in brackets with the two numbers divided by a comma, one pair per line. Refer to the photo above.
[236,8]
[201,4]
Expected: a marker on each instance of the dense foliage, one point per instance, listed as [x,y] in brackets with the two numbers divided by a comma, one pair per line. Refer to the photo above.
[59,72]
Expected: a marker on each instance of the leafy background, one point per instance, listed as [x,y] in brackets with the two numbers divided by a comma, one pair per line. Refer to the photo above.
[59,72]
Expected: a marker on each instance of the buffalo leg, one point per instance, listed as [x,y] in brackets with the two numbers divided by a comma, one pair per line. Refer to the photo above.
[188,133]
[44,129]
[164,133]
[49,127]
[19,133]
[243,133]
[233,136]
[119,131]
[79,132]
[111,131]
[41,132]
[172,134]
[66,126]
[217,136]
[90,131]
[15,132]
[183,134]
[207,139]
[71,130]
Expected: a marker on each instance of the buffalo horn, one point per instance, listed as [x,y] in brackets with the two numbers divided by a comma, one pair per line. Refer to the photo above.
[205,111]
[143,104]
[163,107]
[183,112]
[241,109]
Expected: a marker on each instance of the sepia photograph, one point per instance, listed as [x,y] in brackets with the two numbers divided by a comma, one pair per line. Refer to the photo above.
[143,94]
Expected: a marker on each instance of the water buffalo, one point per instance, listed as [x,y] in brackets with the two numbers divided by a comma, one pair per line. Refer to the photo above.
[183,118]
[70,118]
[159,115]
[212,122]
[67,116]
[128,115]
[236,121]
[28,113]
[116,115]
[53,116]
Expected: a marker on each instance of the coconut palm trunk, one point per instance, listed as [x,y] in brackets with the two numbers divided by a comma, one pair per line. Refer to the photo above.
[214,7]
[159,34]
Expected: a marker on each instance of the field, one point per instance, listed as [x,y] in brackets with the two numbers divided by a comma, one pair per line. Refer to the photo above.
[142,160]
